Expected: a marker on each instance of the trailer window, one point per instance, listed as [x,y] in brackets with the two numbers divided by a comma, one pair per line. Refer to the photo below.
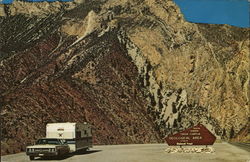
[70,141]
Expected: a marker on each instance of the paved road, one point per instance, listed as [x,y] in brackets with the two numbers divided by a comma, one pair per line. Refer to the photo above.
[224,152]
[245,146]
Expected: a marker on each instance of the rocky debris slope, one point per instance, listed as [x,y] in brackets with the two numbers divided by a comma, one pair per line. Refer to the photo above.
[134,69]
[190,150]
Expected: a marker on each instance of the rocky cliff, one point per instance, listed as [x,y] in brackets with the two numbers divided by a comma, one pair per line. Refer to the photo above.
[136,70]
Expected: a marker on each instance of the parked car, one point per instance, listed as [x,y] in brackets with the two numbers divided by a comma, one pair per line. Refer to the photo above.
[46,147]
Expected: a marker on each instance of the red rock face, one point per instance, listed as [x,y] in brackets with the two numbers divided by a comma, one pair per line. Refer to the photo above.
[41,85]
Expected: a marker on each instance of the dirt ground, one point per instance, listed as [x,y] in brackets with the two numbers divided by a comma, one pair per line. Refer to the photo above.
[224,152]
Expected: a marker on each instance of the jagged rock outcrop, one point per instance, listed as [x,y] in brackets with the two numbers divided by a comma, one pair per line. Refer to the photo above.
[136,70]
[187,68]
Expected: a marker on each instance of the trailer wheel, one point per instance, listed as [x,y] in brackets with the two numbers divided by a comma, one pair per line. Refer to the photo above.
[32,157]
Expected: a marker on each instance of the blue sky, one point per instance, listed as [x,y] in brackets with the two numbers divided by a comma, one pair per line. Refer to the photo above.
[232,12]
[11,1]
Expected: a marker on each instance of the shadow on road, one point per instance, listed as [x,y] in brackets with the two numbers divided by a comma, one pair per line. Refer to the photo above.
[69,155]
[85,152]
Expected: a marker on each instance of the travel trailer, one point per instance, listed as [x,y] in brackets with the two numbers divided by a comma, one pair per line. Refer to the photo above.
[77,135]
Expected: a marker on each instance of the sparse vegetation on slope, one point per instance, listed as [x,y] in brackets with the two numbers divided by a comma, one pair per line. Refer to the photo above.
[133,69]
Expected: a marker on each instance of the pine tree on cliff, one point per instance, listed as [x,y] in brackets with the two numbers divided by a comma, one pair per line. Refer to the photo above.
[179,117]
[175,123]
[223,133]
[231,133]
[174,110]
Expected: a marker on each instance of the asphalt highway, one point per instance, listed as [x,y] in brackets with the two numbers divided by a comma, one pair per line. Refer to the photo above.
[224,152]
[245,146]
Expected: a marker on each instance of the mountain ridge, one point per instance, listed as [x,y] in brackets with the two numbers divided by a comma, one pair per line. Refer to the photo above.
[136,70]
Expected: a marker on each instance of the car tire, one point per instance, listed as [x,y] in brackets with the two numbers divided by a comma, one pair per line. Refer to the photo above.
[59,154]
[32,157]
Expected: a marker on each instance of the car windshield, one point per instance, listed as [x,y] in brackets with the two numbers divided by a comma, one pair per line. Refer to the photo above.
[48,141]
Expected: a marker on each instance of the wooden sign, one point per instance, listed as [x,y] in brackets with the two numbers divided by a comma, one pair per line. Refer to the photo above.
[197,135]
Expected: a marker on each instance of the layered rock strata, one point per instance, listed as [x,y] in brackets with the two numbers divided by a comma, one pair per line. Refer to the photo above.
[136,70]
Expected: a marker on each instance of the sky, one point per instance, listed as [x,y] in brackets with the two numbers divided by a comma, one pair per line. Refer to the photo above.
[11,1]
[232,12]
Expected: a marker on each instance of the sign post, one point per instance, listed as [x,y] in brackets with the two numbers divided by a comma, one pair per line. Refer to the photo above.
[197,135]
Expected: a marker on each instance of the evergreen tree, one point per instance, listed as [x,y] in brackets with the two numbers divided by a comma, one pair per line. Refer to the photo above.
[175,123]
[179,117]
[174,110]
[231,133]
[223,133]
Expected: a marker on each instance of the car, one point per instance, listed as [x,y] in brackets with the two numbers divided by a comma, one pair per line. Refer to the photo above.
[47,147]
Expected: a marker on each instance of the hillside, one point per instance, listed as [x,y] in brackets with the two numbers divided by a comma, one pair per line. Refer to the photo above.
[136,70]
